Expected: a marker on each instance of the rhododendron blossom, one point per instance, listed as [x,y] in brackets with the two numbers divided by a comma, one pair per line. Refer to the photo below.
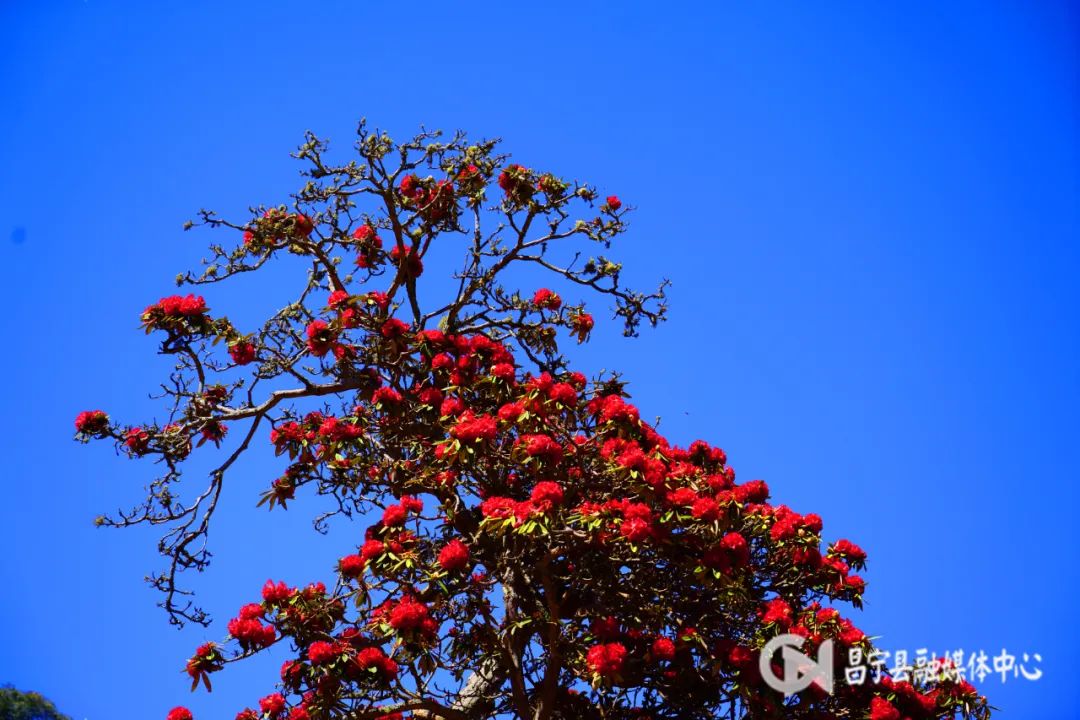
[91,422]
[606,660]
[454,556]
[524,544]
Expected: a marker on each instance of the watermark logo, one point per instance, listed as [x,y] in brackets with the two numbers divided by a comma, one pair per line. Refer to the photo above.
[800,671]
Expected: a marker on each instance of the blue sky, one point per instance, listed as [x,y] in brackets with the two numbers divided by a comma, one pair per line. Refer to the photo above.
[869,212]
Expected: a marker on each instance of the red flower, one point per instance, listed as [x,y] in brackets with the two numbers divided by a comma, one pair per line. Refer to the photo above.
[855,584]
[663,649]
[470,428]
[251,611]
[516,182]
[498,507]
[175,306]
[91,422]
[250,633]
[192,305]
[394,515]
[546,299]
[563,393]
[409,614]
[503,371]
[636,529]
[776,611]
[705,509]
[276,593]
[137,440]
[321,652]
[541,446]
[273,704]
[582,325]
[408,261]
[755,491]
[303,225]
[372,549]
[351,566]
[393,328]
[849,550]
[737,548]
[179,713]
[881,709]
[546,495]
[242,352]
[366,235]
[606,660]
[454,556]
[207,659]
[320,337]
[386,396]
[379,299]
[373,657]
[510,412]
[470,179]
[411,187]
[337,299]
[613,202]
[740,656]
[849,634]
[214,431]
[451,407]
[682,496]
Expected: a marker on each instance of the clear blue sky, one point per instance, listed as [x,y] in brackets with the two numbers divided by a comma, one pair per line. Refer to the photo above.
[869,212]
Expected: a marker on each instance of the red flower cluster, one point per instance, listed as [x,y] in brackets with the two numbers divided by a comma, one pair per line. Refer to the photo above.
[352,566]
[321,652]
[546,495]
[92,422]
[546,300]
[582,324]
[375,658]
[433,199]
[242,352]
[407,260]
[776,611]
[276,226]
[542,447]
[272,705]
[472,428]
[137,441]
[409,615]
[517,182]
[320,337]
[369,246]
[249,631]
[397,514]
[663,649]
[176,314]
[454,556]
[606,660]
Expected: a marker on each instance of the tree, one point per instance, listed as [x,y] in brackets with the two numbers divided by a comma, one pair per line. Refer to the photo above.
[537,551]
[18,705]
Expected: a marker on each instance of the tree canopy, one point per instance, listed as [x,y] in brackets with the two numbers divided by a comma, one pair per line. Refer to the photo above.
[19,705]
[531,547]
